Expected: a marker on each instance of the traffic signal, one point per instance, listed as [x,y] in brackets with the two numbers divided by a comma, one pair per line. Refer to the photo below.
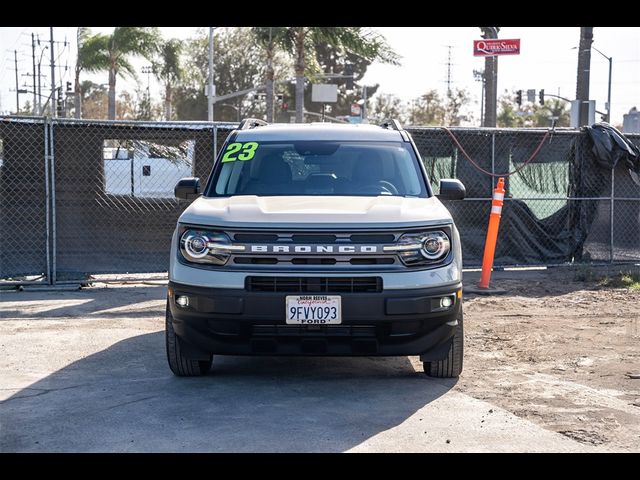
[519,97]
[68,86]
[541,97]
[59,103]
[348,70]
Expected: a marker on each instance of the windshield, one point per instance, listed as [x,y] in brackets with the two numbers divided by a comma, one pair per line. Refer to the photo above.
[318,168]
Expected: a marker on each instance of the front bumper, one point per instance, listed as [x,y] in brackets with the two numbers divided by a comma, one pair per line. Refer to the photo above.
[241,322]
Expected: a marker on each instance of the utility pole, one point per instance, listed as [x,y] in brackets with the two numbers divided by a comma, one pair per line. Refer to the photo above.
[39,89]
[33,57]
[40,112]
[270,110]
[584,67]
[211,86]
[491,79]
[15,57]
[53,75]
[449,69]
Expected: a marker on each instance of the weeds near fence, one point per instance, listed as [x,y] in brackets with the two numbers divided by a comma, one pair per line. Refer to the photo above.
[608,279]
[622,280]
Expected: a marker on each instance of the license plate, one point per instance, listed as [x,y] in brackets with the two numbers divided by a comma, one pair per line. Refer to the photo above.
[314,309]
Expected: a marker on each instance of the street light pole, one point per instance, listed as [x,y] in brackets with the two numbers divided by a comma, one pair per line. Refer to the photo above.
[609,91]
[363,110]
[148,69]
[211,85]
[610,59]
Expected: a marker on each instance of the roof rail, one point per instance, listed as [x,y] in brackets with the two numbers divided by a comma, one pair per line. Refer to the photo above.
[391,123]
[248,123]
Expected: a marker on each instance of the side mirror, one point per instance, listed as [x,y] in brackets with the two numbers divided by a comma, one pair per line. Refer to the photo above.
[187,188]
[451,189]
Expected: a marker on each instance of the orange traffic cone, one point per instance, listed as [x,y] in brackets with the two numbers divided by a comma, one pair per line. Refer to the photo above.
[492,234]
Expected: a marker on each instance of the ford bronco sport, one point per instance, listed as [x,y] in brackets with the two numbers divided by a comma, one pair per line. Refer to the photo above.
[316,239]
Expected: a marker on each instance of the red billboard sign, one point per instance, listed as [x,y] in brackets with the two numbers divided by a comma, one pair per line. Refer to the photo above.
[491,48]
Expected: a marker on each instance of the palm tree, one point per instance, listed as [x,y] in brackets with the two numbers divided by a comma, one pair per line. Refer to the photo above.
[270,38]
[91,57]
[123,42]
[169,70]
[299,41]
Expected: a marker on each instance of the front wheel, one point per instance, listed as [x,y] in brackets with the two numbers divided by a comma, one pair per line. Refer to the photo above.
[451,365]
[178,363]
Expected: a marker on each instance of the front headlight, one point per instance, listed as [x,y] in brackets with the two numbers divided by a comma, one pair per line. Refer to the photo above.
[202,246]
[423,247]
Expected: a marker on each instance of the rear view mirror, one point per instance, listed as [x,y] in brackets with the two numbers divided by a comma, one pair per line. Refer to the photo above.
[451,189]
[187,188]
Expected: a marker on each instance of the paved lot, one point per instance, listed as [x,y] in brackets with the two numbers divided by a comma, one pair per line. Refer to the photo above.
[86,371]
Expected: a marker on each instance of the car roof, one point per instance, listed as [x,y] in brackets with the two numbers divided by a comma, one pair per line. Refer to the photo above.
[319,131]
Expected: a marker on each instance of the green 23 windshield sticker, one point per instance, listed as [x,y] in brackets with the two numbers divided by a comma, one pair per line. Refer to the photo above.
[247,151]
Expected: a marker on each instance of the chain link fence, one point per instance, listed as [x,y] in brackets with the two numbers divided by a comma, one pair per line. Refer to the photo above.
[95,198]
[24,200]
[560,205]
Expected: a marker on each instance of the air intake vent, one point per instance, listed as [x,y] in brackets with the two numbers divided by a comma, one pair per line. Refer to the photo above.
[256,237]
[315,284]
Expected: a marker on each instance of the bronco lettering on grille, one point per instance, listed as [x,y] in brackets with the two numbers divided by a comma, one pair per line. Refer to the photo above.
[344,249]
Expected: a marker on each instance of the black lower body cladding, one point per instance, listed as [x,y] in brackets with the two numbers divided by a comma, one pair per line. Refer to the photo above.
[241,322]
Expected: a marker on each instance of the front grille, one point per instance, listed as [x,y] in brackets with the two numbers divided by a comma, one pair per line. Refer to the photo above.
[278,251]
[242,260]
[255,237]
[313,261]
[314,284]
[372,261]
[313,238]
[373,238]
[255,260]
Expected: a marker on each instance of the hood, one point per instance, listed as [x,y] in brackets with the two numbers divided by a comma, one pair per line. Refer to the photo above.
[316,211]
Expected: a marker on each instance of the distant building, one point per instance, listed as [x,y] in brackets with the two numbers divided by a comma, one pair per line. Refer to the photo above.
[631,121]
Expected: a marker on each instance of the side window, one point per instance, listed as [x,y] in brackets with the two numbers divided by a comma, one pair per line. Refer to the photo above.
[144,168]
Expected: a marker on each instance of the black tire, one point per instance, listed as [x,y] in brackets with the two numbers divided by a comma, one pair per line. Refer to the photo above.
[179,364]
[451,365]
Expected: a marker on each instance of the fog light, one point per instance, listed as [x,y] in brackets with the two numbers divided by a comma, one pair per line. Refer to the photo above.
[446,302]
[182,301]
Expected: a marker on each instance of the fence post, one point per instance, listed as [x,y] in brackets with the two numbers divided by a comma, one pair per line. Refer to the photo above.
[47,198]
[215,143]
[613,176]
[493,160]
[53,200]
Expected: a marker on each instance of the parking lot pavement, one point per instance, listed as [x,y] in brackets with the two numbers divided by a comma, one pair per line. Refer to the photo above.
[86,371]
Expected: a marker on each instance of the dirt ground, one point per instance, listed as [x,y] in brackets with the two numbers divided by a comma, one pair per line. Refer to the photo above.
[562,353]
